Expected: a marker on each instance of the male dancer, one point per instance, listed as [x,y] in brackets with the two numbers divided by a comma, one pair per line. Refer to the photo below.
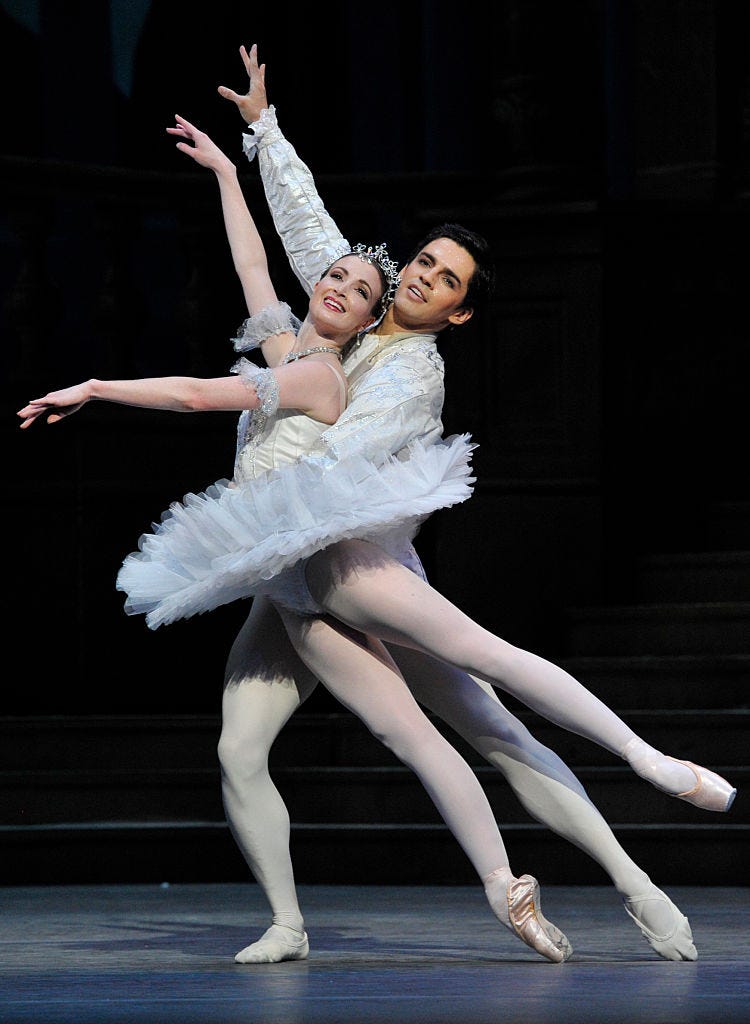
[396,394]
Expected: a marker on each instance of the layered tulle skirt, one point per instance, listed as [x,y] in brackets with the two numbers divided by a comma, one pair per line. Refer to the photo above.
[232,540]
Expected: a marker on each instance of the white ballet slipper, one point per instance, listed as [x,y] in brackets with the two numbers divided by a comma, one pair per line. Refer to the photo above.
[677,942]
[277,944]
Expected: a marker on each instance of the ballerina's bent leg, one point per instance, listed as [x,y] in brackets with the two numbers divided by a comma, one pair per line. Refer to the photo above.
[360,673]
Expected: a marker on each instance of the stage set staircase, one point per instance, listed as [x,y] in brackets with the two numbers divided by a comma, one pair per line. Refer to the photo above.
[137,799]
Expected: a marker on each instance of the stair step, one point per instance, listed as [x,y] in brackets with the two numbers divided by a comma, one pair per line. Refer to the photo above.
[345,794]
[189,742]
[114,741]
[674,854]
[699,628]
[715,736]
[340,739]
[38,797]
[665,681]
[729,525]
[395,796]
[198,851]
[707,737]
[701,576]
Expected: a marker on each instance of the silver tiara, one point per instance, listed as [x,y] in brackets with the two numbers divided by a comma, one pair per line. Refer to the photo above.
[378,255]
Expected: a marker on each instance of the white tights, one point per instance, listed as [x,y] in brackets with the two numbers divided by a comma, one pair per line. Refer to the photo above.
[361,585]
[266,681]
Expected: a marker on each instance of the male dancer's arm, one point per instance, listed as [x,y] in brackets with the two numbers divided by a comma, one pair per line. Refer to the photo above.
[310,236]
[401,397]
[397,402]
[398,399]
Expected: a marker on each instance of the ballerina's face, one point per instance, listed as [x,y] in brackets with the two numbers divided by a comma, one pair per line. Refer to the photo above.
[344,298]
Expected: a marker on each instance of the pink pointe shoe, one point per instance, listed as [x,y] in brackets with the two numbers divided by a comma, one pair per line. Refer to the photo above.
[527,921]
[710,792]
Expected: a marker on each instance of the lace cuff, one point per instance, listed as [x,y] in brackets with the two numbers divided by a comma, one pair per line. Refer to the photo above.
[262,381]
[275,319]
[264,129]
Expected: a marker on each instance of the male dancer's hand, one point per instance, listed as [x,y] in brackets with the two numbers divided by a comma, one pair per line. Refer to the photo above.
[255,99]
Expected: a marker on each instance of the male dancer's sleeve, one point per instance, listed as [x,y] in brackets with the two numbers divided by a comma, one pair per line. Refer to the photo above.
[397,402]
[400,400]
[309,234]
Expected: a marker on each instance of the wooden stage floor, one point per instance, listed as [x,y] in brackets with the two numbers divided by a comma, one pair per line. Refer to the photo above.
[142,954]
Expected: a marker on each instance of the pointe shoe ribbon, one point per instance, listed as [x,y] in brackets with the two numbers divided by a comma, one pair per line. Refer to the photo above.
[711,792]
[675,944]
[529,924]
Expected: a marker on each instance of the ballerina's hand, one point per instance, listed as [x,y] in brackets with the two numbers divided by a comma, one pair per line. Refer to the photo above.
[255,99]
[203,149]
[56,405]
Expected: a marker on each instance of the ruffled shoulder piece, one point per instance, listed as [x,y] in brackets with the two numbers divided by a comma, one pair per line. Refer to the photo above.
[265,125]
[274,319]
[227,542]
[263,381]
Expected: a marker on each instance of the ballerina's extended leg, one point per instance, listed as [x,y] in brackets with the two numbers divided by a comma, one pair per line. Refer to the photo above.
[361,585]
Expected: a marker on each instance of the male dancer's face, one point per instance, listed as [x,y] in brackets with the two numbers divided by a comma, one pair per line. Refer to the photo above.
[433,288]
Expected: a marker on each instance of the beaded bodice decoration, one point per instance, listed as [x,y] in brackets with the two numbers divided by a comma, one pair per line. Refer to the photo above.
[290,357]
[286,432]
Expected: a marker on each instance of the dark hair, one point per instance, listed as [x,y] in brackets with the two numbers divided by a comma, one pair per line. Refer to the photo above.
[482,281]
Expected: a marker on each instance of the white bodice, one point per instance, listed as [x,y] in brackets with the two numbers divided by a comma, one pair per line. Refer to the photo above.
[277,440]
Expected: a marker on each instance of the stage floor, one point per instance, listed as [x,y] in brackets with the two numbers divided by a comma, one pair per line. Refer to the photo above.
[142,954]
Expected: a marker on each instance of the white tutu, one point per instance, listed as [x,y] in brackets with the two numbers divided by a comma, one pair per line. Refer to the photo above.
[229,541]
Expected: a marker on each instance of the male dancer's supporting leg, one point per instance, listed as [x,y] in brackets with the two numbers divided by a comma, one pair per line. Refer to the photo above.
[547,788]
[265,682]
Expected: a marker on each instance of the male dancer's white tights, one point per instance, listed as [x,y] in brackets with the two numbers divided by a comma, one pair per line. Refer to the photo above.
[266,682]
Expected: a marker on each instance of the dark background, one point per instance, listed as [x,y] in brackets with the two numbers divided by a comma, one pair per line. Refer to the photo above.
[602,147]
